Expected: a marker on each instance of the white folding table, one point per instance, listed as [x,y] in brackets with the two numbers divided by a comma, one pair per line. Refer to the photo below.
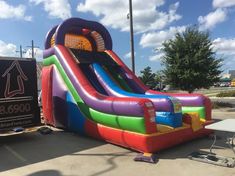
[227,126]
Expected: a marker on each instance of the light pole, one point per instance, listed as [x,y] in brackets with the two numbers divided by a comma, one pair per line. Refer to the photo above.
[132,37]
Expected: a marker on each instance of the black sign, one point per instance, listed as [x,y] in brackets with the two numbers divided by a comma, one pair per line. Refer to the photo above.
[18,93]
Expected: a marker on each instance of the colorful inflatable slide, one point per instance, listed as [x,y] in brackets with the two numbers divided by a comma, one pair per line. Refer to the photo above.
[86,88]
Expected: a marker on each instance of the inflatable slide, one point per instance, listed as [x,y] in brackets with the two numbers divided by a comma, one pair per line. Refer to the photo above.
[86,88]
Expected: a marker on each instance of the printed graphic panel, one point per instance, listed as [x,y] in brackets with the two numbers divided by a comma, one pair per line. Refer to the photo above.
[18,93]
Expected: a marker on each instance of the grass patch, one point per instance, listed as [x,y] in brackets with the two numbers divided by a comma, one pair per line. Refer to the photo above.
[226,94]
[220,104]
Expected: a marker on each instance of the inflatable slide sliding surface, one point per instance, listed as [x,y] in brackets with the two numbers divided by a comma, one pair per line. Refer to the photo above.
[87,89]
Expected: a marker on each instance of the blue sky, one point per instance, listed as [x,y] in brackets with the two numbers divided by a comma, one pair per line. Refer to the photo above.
[154,22]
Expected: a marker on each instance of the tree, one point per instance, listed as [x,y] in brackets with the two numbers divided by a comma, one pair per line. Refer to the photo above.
[159,76]
[190,62]
[159,79]
[148,78]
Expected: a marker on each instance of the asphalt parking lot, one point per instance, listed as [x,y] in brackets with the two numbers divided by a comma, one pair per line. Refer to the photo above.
[67,154]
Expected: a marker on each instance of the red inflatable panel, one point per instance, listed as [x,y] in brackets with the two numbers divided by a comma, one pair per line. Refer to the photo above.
[149,116]
[113,135]
[208,106]
[91,129]
[47,94]
[143,143]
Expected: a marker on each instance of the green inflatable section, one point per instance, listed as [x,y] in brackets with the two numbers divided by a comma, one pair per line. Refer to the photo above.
[199,110]
[130,123]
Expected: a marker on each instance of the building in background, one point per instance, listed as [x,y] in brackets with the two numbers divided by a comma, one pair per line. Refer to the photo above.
[226,76]
[232,74]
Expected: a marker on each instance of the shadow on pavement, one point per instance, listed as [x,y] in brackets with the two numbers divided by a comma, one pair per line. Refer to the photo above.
[25,149]
[111,157]
[184,149]
[46,173]
[28,148]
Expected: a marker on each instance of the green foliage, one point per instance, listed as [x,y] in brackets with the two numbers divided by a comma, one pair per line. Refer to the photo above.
[148,78]
[159,76]
[190,62]
[226,94]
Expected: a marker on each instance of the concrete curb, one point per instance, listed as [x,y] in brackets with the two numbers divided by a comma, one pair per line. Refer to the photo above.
[230,98]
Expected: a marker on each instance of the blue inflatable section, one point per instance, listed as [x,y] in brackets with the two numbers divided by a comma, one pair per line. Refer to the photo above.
[76,120]
[92,78]
[166,118]
[98,69]
[171,119]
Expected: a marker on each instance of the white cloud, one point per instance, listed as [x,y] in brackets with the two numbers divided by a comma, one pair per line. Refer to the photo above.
[223,3]
[213,18]
[7,49]
[128,55]
[16,12]
[10,50]
[38,53]
[145,15]
[155,39]
[55,8]
[156,57]
[224,46]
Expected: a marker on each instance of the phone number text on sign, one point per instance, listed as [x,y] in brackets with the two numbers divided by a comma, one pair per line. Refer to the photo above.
[15,109]
[15,106]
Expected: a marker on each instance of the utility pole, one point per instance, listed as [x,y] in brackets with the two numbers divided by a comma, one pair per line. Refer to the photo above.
[32,48]
[132,37]
[21,52]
